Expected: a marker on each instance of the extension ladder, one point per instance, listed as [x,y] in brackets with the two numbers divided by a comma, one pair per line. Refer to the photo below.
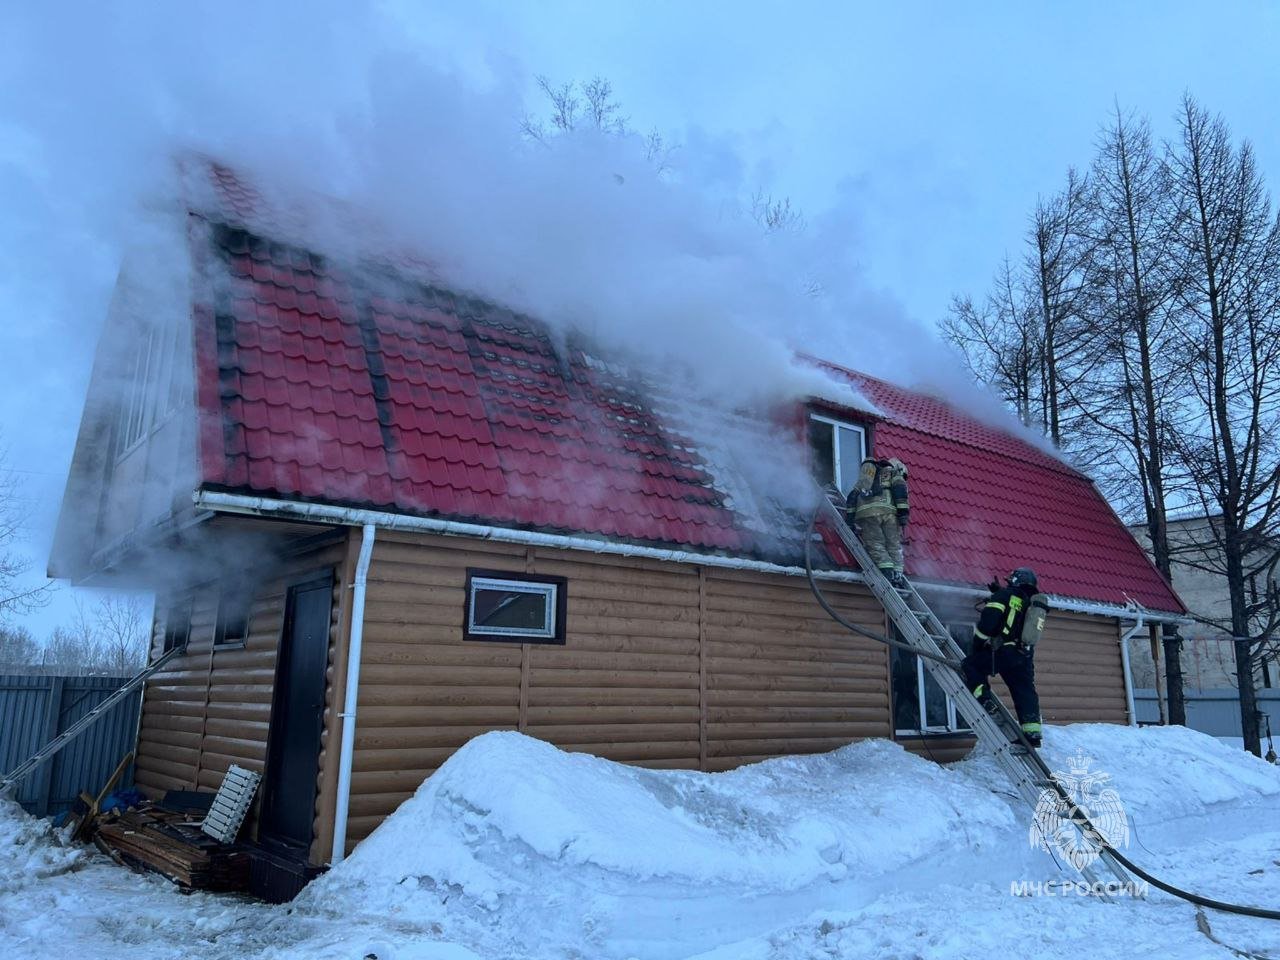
[921,629]
[10,781]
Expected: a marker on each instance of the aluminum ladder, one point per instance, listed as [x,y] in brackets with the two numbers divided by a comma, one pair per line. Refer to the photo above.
[10,781]
[921,629]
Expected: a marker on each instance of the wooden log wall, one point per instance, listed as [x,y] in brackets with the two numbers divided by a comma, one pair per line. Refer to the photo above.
[1079,673]
[663,665]
[782,676]
[423,692]
[212,707]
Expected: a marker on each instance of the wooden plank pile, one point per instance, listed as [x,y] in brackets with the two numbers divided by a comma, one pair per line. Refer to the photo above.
[172,844]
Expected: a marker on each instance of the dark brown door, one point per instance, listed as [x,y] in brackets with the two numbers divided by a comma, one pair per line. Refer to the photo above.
[297,716]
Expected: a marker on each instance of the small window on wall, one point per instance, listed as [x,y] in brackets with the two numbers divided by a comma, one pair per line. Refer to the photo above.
[920,707]
[233,614]
[838,451]
[514,607]
[177,625]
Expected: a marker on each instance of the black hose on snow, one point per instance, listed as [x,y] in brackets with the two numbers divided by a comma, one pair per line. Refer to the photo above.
[1078,816]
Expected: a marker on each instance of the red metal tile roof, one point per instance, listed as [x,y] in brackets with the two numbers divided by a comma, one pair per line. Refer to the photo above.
[424,403]
[984,501]
[314,387]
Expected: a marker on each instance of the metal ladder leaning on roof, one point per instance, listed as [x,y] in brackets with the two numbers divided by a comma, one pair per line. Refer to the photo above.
[9,782]
[921,629]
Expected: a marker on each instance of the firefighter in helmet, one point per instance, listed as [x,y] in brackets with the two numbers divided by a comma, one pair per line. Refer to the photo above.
[1003,643]
[877,509]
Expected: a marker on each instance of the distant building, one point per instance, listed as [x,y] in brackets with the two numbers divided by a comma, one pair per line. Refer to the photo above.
[1208,653]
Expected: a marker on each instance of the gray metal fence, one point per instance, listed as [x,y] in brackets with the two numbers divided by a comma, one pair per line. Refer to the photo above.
[34,710]
[1215,712]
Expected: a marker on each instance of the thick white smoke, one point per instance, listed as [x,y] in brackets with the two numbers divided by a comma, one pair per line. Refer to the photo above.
[412,120]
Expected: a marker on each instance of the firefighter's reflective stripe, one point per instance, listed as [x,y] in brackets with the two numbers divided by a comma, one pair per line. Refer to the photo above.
[872,504]
[1015,608]
[991,605]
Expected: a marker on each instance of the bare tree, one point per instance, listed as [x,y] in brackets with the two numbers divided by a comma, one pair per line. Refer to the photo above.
[16,596]
[603,111]
[590,105]
[1132,400]
[775,214]
[109,638]
[1227,252]
[121,628]
[73,649]
[18,649]
[1058,263]
[1029,337]
[563,115]
[573,106]
[1000,342]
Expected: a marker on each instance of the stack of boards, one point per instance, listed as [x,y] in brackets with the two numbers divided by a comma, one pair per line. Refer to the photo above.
[195,854]
[173,845]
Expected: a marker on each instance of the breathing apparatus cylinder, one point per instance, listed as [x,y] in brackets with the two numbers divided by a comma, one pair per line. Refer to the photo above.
[1033,622]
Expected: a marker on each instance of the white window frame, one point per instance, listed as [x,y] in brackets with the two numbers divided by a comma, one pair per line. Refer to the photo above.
[151,394]
[549,591]
[954,720]
[835,445]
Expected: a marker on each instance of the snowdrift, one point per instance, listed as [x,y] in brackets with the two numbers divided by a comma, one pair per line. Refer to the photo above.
[1164,773]
[30,849]
[517,847]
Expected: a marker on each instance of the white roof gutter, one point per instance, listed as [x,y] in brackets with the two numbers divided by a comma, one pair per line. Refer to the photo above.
[1126,611]
[325,513]
[352,517]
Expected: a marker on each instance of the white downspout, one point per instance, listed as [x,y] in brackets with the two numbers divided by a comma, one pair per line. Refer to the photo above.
[349,699]
[1128,672]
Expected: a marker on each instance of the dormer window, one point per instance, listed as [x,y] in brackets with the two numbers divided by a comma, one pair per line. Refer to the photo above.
[838,448]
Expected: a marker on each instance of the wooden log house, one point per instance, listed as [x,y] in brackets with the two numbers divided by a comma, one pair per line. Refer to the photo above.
[547,554]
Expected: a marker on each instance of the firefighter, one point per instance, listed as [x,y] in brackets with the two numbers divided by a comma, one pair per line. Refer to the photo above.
[999,647]
[877,509]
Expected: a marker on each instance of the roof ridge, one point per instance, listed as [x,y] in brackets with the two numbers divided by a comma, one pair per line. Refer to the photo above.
[1049,460]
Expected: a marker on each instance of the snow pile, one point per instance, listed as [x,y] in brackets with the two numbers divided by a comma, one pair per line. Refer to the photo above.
[516,850]
[515,847]
[30,850]
[515,837]
[1164,773]
[783,823]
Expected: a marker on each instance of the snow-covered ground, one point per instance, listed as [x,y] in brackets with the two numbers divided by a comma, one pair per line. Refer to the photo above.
[515,849]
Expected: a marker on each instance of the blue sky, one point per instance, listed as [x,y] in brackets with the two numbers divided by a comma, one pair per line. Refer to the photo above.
[937,125]
[944,121]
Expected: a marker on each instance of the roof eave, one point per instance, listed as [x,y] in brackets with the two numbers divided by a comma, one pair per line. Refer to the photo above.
[252,505]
